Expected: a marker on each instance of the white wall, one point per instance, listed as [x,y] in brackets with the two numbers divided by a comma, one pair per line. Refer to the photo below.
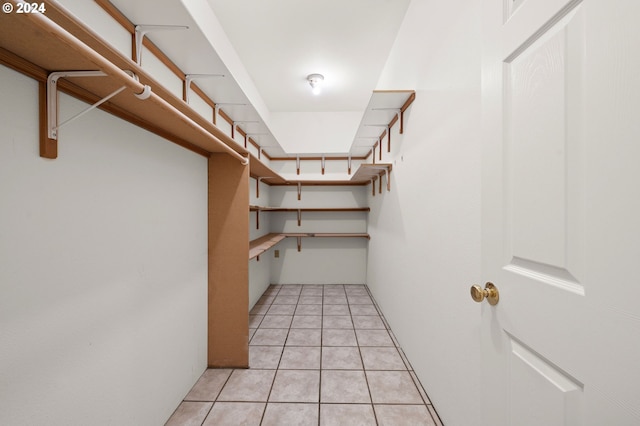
[103,268]
[321,260]
[424,252]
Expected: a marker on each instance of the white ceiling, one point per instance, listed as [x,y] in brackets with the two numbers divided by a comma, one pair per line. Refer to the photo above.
[266,49]
[280,42]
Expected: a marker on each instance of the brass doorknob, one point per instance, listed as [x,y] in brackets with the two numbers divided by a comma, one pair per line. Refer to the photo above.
[490,292]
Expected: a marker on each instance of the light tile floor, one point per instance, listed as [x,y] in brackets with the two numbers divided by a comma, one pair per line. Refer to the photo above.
[319,355]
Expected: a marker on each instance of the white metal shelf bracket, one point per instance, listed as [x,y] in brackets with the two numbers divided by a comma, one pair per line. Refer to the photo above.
[299,217]
[188,78]
[216,109]
[299,190]
[323,163]
[349,164]
[52,98]
[297,165]
[142,30]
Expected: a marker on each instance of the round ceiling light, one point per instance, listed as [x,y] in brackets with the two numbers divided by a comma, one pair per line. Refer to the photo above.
[315,81]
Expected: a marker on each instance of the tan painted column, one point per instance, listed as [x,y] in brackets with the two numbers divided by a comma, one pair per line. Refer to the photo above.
[228,343]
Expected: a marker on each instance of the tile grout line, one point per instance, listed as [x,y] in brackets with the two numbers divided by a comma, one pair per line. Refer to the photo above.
[321,351]
[266,403]
[364,370]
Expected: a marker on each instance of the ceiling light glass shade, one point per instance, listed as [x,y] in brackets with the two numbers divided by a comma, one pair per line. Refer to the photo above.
[315,81]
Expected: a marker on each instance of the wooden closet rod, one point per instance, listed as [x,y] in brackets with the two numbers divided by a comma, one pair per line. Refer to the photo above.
[141,90]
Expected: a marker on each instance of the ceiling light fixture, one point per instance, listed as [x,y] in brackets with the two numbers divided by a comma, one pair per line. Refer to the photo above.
[315,81]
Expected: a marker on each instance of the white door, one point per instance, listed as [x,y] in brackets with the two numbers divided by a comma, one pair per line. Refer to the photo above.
[561,212]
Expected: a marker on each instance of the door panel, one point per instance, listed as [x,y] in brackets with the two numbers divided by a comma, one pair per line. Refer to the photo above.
[540,393]
[536,124]
[561,212]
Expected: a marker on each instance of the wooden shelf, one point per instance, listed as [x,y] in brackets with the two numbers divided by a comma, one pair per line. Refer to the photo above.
[327,234]
[259,209]
[385,109]
[368,172]
[55,41]
[310,209]
[264,243]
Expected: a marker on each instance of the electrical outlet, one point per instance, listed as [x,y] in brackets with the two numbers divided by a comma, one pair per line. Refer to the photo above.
[276,253]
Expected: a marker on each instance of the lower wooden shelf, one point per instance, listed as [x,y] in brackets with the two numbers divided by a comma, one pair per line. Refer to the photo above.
[264,243]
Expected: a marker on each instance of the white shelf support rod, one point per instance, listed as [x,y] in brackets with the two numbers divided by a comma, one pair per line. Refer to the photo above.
[323,163]
[142,30]
[52,98]
[349,163]
[190,77]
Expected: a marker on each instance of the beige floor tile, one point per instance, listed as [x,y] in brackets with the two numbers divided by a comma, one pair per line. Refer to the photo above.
[304,337]
[272,292]
[336,310]
[264,357]
[269,337]
[255,320]
[307,321]
[248,385]
[434,415]
[310,300]
[189,414]
[393,387]
[343,414]
[333,286]
[344,387]
[297,358]
[337,321]
[276,321]
[381,359]
[341,358]
[259,309]
[290,291]
[368,322]
[373,338]
[208,385]
[404,358]
[285,300]
[309,310]
[363,310]
[311,292]
[252,331]
[296,386]
[338,338]
[334,300]
[334,293]
[396,415]
[358,300]
[281,310]
[279,414]
[348,287]
[265,300]
[423,394]
[235,413]
[356,292]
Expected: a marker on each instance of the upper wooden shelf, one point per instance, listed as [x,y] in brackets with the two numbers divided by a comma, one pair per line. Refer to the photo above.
[39,44]
[368,172]
[386,108]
